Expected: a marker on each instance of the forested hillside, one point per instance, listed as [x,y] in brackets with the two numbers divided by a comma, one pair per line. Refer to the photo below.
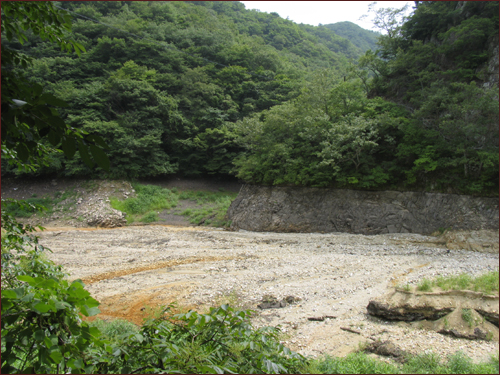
[210,88]
[361,38]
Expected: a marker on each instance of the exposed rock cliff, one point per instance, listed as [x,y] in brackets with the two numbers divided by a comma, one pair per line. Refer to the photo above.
[295,209]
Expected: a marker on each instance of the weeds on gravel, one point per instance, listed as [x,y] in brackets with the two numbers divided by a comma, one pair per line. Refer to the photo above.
[425,285]
[49,203]
[468,318]
[234,299]
[361,363]
[150,217]
[150,198]
[355,363]
[214,206]
[486,283]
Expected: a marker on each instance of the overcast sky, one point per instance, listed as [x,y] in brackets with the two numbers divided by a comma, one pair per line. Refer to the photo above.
[324,12]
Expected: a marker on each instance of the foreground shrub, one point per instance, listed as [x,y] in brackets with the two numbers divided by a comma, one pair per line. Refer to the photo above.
[41,328]
[222,341]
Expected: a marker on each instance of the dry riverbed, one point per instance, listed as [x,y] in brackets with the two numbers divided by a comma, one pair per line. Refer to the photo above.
[131,270]
[332,277]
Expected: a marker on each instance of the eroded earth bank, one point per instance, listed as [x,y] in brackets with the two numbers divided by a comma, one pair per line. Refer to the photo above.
[332,278]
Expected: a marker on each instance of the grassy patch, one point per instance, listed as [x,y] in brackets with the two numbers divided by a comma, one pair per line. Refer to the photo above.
[211,210]
[59,202]
[361,363]
[425,285]
[149,198]
[27,211]
[486,283]
[150,217]
[468,317]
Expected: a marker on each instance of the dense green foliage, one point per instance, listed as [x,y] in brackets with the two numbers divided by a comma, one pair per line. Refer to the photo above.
[212,88]
[330,134]
[363,39]
[41,328]
[161,91]
[31,125]
[436,66]
[424,121]
[221,341]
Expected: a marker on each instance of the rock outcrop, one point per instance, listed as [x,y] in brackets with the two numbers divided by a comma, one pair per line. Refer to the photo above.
[410,306]
[463,314]
[298,209]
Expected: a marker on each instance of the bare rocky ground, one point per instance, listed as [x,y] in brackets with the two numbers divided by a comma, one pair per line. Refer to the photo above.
[331,277]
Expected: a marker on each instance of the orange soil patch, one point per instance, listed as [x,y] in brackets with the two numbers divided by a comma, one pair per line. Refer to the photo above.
[176,262]
[139,306]
[147,303]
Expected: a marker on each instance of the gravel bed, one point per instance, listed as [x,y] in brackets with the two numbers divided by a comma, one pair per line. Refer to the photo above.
[333,275]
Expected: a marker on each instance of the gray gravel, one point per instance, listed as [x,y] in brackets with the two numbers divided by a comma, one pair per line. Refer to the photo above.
[333,274]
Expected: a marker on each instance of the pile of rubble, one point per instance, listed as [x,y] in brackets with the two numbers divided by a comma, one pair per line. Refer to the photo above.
[96,208]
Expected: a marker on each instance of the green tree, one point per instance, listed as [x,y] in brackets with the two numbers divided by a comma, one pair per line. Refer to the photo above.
[29,116]
[438,65]
[41,328]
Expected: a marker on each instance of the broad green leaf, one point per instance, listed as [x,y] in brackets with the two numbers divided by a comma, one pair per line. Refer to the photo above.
[28,297]
[42,307]
[48,284]
[61,305]
[100,157]
[139,337]
[78,363]
[68,146]
[78,283]
[23,152]
[37,89]
[48,342]
[84,153]
[93,311]
[94,331]
[30,280]
[54,137]
[81,47]
[98,140]
[56,356]
[39,335]
[56,122]
[6,305]
[10,294]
